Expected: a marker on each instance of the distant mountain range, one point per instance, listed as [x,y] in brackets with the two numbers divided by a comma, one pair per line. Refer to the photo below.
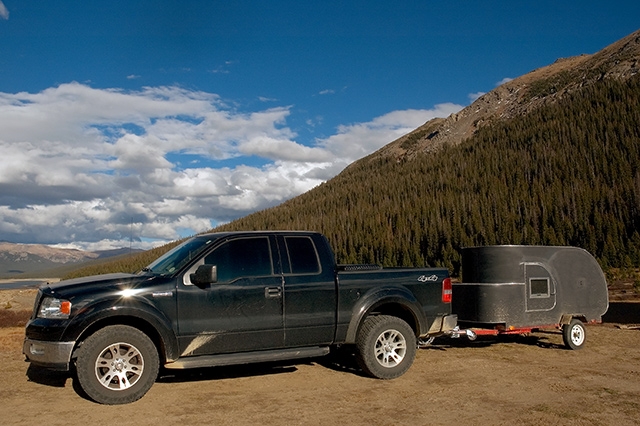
[17,260]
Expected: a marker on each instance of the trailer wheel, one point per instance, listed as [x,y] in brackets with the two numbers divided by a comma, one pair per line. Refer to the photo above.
[386,346]
[117,365]
[574,334]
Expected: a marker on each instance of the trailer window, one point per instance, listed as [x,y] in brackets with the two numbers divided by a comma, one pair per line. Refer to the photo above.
[539,287]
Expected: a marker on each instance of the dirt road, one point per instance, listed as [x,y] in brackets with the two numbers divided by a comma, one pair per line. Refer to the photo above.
[529,380]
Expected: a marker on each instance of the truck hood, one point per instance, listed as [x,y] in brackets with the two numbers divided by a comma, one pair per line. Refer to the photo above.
[98,284]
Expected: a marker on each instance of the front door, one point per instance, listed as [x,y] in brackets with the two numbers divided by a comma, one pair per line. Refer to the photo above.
[243,310]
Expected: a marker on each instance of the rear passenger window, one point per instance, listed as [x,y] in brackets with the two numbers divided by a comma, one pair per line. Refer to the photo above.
[302,255]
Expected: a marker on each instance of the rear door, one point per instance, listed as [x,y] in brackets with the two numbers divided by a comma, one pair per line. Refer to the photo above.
[243,310]
[309,293]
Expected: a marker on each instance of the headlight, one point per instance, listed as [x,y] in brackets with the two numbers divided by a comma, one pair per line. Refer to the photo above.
[53,308]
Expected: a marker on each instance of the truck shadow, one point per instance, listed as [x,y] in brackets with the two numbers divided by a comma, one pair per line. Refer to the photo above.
[56,379]
[344,361]
[227,372]
[43,376]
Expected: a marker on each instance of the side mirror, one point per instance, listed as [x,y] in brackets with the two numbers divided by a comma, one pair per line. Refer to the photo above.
[205,274]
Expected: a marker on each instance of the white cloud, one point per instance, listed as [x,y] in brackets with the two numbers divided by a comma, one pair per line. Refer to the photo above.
[4,13]
[282,149]
[265,99]
[503,81]
[90,167]
[357,140]
[474,96]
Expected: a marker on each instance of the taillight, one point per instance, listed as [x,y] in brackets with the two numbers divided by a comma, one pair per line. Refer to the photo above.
[446,290]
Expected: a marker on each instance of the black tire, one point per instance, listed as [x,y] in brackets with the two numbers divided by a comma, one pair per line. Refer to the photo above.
[386,347]
[574,334]
[117,365]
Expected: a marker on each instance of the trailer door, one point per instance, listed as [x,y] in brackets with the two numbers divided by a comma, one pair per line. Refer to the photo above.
[540,287]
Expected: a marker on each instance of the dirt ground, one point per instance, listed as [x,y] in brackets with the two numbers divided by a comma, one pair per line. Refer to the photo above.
[524,380]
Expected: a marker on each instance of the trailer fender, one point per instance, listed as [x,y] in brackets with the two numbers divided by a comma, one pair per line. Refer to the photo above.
[566,318]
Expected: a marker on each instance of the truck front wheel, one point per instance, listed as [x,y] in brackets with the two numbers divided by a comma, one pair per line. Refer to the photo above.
[117,365]
[386,346]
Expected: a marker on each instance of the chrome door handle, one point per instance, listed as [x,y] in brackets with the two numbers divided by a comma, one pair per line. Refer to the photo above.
[272,292]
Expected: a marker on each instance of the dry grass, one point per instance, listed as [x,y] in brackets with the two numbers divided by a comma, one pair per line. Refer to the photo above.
[11,318]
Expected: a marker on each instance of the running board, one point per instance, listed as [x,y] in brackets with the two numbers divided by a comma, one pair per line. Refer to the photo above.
[247,357]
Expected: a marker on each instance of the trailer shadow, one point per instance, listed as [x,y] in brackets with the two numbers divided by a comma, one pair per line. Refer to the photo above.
[538,338]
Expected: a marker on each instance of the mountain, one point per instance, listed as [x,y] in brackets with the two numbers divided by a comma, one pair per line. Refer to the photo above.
[20,259]
[541,87]
[551,157]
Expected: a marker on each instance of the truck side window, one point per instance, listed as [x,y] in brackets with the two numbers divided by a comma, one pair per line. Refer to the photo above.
[302,255]
[244,257]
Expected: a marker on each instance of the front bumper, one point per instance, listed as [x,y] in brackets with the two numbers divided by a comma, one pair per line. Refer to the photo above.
[53,355]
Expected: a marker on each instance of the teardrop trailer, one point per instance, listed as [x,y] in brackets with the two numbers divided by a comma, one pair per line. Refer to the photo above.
[524,289]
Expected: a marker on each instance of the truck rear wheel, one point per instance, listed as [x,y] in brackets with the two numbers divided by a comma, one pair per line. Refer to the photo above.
[574,334]
[386,346]
[117,365]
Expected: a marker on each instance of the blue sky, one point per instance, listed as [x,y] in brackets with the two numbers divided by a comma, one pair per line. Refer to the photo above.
[159,119]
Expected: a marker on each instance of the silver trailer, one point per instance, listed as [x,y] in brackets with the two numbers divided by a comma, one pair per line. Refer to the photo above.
[520,289]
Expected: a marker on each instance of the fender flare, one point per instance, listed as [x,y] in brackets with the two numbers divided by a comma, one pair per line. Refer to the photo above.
[397,296]
[137,312]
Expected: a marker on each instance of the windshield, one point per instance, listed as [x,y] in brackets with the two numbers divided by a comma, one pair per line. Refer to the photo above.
[175,259]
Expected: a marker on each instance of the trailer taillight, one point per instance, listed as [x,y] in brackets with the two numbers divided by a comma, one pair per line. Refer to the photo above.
[446,290]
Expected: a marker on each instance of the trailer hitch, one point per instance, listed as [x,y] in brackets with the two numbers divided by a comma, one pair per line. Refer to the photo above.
[456,333]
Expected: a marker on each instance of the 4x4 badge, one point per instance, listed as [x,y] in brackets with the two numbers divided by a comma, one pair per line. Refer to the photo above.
[424,278]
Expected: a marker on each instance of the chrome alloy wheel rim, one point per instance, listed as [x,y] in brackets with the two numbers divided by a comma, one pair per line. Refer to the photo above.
[119,366]
[390,349]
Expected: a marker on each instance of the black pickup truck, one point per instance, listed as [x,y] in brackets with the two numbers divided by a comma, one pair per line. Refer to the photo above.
[234,298]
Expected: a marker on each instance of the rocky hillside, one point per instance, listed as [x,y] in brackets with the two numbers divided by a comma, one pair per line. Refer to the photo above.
[518,97]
